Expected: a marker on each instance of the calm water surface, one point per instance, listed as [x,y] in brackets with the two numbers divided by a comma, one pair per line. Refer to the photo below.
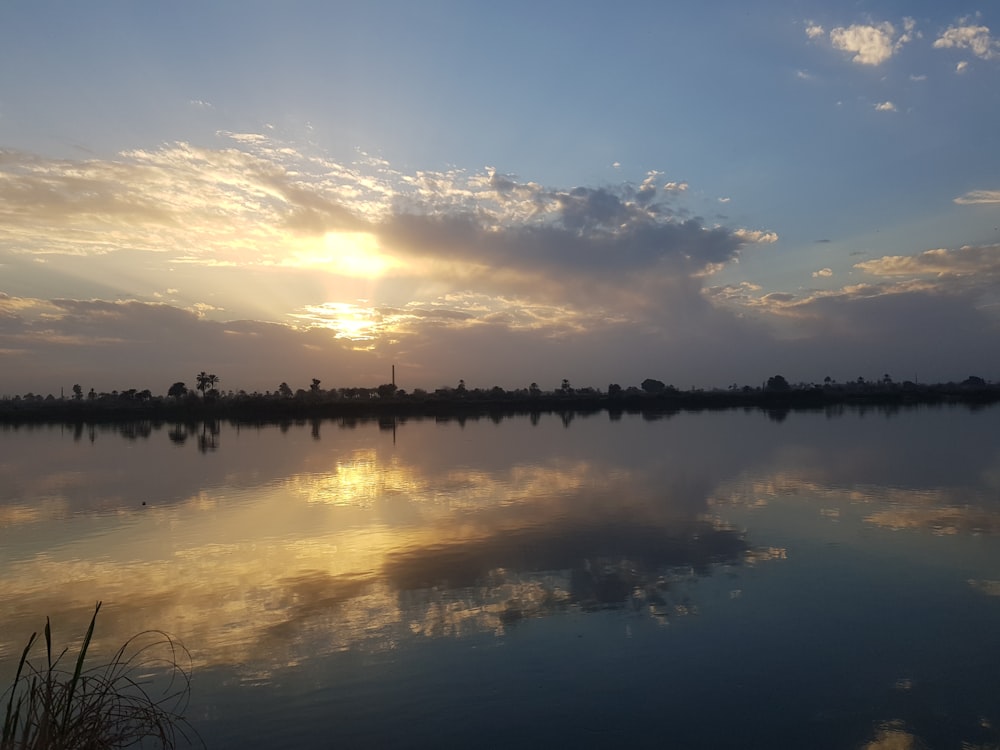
[707,580]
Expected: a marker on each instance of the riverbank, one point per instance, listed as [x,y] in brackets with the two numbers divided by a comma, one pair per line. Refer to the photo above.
[255,407]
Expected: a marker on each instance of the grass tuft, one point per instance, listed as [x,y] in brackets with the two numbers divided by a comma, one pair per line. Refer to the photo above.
[137,699]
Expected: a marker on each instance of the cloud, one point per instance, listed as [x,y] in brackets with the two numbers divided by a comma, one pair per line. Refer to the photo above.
[756,236]
[976,39]
[814,30]
[284,264]
[871,44]
[980,263]
[823,273]
[258,231]
[778,297]
[134,344]
[979,196]
[885,107]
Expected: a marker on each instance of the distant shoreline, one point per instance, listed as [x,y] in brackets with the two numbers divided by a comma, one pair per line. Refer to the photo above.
[257,408]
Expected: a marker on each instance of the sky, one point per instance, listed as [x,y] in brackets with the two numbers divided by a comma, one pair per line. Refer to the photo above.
[707,194]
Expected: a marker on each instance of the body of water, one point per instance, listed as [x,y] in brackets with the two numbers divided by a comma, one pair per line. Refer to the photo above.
[698,580]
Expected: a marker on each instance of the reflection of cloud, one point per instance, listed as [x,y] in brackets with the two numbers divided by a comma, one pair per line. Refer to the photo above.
[945,520]
[988,587]
[893,735]
[358,552]
[939,510]
[568,545]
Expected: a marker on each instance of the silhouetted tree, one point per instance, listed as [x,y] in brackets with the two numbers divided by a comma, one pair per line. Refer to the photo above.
[386,390]
[614,389]
[777,383]
[178,390]
[461,387]
[565,388]
[201,382]
[653,386]
[315,385]
[285,390]
[77,392]
[534,391]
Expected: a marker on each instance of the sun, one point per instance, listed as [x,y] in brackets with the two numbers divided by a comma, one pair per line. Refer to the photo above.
[355,254]
[352,254]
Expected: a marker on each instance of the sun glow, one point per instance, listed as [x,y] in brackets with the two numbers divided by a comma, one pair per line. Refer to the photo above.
[348,321]
[355,254]
[352,254]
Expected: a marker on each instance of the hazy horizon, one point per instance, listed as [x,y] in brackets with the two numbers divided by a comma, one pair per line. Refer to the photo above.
[504,195]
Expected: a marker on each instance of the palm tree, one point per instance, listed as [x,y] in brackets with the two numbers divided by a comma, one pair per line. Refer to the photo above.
[206,382]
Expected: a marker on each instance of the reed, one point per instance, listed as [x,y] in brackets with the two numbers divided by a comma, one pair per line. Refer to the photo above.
[136,699]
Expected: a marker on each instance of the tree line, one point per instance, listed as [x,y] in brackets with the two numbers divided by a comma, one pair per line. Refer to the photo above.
[207,390]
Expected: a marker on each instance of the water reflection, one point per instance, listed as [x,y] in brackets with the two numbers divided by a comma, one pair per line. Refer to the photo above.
[281,536]
[264,548]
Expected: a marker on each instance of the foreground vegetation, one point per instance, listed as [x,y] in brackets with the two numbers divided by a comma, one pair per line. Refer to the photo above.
[207,401]
[49,707]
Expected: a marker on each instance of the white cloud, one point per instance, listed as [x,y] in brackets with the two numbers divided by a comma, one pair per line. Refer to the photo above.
[675,187]
[885,107]
[976,39]
[871,44]
[909,32]
[979,196]
[961,66]
[814,30]
[823,273]
[725,199]
[979,264]
[756,236]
